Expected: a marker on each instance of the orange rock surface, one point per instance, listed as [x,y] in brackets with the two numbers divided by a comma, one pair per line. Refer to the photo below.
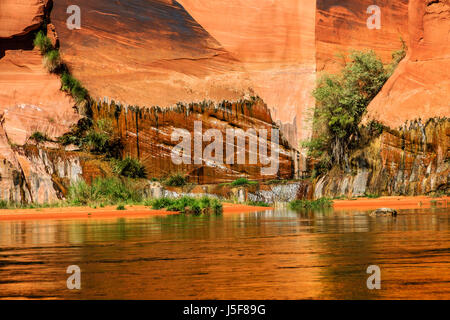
[31,99]
[341,26]
[420,87]
[147,135]
[275,41]
[18,17]
[146,53]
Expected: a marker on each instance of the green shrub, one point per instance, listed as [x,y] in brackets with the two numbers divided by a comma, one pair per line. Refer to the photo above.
[341,103]
[161,203]
[52,61]
[242,182]
[371,196]
[175,180]
[43,42]
[311,204]
[39,137]
[129,167]
[96,142]
[4,204]
[217,206]
[105,191]
[258,204]
[73,86]
[100,139]
[196,206]
[120,207]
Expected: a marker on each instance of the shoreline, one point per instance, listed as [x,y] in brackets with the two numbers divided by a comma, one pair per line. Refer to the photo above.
[108,212]
[393,202]
[140,211]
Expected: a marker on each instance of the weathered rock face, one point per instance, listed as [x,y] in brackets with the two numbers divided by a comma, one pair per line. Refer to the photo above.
[30,100]
[19,17]
[30,97]
[146,53]
[411,161]
[275,41]
[147,135]
[160,52]
[420,87]
[342,26]
[37,175]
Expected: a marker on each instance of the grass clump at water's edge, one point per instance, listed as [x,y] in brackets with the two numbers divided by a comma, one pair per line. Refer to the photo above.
[105,191]
[16,205]
[189,205]
[257,204]
[311,204]
[121,192]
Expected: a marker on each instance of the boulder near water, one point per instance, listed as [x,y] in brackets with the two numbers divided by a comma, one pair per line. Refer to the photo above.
[384,212]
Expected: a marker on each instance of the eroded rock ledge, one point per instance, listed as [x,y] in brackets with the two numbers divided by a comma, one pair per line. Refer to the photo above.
[412,161]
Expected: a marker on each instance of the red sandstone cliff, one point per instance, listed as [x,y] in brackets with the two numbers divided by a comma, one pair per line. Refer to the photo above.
[275,41]
[420,87]
[341,26]
[30,97]
[146,53]
[18,17]
[159,52]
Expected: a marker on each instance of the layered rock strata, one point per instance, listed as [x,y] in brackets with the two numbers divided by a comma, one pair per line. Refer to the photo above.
[147,135]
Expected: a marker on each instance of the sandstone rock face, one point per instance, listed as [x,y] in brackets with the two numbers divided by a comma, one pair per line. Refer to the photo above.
[276,42]
[146,53]
[147,135]
[30,97]
[341,26]
[410,161]
[420,87]
[19,17]
[30,100]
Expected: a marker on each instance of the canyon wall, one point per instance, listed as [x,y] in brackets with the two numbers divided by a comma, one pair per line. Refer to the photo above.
[162,52]
[420,87]
[147,136]
[341,26]
[30,101]
[146,53]
[30,97]
[275,40]
[413,160]
[19,17]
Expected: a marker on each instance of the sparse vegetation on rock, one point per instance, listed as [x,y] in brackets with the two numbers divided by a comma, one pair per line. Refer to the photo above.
[341,103]
[39,137]
[129,167]
[175,180]
[242,182]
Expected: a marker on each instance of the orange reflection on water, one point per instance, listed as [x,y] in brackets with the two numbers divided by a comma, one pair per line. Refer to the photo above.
[267,255]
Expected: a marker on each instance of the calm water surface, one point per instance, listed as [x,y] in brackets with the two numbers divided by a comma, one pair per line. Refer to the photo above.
[268,255]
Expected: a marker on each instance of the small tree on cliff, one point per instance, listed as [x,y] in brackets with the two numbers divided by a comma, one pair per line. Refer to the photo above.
[341,102]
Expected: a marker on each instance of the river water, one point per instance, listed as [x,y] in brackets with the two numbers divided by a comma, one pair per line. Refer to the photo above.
[267,255]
